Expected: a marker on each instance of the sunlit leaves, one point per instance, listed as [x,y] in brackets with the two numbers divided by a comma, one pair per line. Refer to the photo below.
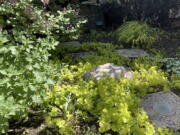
[112,103]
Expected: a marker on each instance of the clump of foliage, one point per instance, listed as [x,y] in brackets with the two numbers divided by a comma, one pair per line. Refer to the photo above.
[9,108]
[172,65]
[23,15]
[175,79]
[112,104]
[137,34]
[24,70]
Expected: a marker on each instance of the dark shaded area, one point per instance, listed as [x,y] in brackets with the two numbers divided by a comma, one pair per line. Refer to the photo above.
[114,13]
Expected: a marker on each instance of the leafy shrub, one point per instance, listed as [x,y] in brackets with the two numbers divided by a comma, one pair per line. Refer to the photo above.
[175,82]
[24,67]
[172,65]
[9,108]
[111,103]
[28,34]
[137,33]
[23,15]
[24,71]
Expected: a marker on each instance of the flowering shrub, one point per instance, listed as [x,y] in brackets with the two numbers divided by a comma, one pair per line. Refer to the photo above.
[23,15]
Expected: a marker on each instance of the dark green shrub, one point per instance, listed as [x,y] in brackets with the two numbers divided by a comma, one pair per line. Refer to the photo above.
[99,53]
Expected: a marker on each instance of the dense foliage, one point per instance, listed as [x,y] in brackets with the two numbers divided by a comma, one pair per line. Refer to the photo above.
[175,82]
[27,34]
[110,103]
[172,65]
[34,21]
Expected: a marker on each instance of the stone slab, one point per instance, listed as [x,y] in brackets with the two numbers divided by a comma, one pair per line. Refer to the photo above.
[132,53]
[80,54]
[163,108]
[71,43]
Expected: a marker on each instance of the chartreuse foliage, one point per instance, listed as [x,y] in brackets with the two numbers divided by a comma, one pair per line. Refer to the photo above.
[175,82]
[137,33]
[112,104]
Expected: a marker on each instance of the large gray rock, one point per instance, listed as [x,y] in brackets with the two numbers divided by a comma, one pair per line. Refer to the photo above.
[132,53]
[163,108]
[108,69]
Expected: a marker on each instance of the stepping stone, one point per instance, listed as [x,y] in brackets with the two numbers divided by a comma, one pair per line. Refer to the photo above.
[108,69]
[90,2]
[163,108]
[132,53]
[71,43]
[80,54]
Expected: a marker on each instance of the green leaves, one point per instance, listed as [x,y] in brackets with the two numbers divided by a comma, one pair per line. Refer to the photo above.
[9,108]
[28,35]
[172,65]
[25,73]
[111,103]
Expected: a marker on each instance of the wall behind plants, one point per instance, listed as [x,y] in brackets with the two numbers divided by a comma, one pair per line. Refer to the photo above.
[154,11]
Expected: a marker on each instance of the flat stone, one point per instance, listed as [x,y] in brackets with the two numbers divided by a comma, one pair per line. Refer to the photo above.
[163,108]
[81,54]
[132,53]
[71,43]
[108,69]
[89,2]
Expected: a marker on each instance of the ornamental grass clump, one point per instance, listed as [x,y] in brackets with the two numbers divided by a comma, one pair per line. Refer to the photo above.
[136,33]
